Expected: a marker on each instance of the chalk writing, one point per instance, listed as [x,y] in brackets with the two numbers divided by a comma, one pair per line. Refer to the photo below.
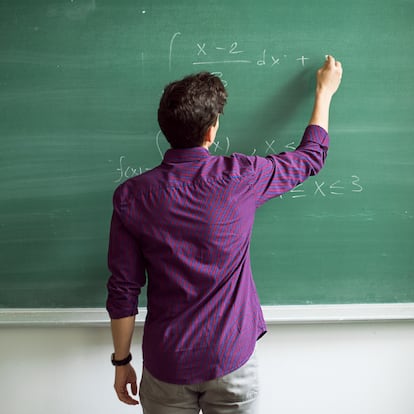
[265,59]
[229,52]
[302,59]
[125,171]
[220,75]
[157,143]
[318,189]
[233,53]
[171,49]
[291,145]
[219,146]
[298,192]
[323,189]
[226,55]
[269,148]
[358,188]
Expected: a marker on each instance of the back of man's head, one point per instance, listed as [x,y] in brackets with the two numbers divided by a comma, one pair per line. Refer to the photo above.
[189,107]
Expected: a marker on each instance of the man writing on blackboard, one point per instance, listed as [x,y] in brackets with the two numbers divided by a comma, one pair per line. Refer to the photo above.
[186,227]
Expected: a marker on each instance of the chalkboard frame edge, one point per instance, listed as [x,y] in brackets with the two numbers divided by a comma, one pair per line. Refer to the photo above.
[275,314]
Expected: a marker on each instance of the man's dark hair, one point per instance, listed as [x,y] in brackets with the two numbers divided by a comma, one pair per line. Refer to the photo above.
[189,107]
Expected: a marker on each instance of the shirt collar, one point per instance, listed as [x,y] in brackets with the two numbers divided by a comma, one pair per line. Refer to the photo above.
[186,155]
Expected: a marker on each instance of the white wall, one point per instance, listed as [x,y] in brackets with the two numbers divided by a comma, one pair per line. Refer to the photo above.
[349,368]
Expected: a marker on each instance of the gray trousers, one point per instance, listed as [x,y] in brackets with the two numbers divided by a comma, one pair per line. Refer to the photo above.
[235,393]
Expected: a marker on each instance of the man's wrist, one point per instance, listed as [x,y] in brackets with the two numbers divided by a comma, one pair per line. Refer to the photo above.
[323,95]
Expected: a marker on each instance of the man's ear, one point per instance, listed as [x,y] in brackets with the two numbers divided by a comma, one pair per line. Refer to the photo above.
[209,136]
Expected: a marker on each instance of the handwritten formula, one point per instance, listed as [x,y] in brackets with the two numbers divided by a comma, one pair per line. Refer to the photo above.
[230,53]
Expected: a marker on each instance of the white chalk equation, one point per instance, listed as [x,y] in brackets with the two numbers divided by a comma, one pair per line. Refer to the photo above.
[126,170]
[323,189]
[231,54]
[208,54]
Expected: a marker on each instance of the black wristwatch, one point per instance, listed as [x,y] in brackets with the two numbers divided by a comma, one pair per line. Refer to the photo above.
[118,363]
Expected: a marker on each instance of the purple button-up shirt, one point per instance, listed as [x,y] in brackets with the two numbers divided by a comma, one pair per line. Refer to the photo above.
[186,226]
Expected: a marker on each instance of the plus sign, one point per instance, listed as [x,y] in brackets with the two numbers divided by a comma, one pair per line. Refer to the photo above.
[303,58]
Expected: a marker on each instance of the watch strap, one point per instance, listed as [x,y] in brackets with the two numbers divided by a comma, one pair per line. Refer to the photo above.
[120,362]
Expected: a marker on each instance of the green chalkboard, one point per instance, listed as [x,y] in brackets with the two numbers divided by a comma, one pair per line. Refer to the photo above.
[80,83]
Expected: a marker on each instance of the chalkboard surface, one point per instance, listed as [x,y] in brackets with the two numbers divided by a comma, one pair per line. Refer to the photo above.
[80,83]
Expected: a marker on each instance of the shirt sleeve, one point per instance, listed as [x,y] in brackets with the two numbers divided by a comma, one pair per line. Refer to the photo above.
[127,267]
[279,173]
